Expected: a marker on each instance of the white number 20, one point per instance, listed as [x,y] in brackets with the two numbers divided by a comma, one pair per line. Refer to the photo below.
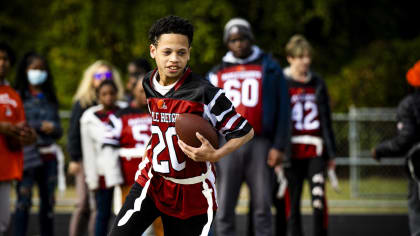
[163,166]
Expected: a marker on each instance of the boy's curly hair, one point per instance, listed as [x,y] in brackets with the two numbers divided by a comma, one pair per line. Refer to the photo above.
[168,25]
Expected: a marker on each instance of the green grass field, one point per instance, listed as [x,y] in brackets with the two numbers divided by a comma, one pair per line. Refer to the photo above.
[378,195]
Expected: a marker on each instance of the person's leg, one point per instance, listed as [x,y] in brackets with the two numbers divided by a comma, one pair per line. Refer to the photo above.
[192,226]
[47,181]
[24,202]
[295,178]
[80,217]
[259,177]
[103,200]
[280,221]
[414,208]
[316,175]
[5,187]
[135,215]
[157,224]
[229,179]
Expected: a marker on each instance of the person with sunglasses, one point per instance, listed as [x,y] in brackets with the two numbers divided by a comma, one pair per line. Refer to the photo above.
[84,98]
[136,69]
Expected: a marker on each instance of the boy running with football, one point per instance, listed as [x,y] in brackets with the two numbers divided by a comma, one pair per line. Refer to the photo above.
[177,181]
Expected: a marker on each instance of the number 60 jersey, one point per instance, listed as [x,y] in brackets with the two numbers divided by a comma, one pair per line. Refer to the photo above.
[171,168]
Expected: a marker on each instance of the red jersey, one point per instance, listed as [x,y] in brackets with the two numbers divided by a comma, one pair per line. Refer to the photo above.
[130,131]
[11,110]
[191,94]
[306,131]
[243,86]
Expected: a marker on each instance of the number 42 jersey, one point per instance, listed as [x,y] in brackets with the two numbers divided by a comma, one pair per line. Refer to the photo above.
[312,134]
[173,176]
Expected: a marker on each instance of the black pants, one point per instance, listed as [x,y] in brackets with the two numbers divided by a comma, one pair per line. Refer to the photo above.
[140,220]
[313,170]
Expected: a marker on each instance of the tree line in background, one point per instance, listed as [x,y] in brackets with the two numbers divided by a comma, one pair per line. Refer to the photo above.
[362,48]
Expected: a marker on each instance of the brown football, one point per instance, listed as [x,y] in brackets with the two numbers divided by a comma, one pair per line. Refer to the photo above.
[188,124]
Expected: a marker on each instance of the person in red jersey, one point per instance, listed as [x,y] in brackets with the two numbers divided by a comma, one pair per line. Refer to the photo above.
[312,142]
[177,181]
[129,133]
[254,82]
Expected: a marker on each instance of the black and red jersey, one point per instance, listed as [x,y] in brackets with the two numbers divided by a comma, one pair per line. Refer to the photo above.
[130,130]
[191,94]
[305,120]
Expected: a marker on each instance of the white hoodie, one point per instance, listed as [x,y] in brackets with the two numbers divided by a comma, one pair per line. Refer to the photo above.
[98,160]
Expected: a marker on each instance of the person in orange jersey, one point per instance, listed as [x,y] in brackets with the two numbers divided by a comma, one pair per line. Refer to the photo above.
[14,133]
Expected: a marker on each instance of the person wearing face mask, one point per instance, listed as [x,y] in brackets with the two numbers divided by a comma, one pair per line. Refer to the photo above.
[83,218]
[34,83]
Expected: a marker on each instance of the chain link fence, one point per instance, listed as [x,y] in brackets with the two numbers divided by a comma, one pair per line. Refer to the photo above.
[361,177]
[356,134]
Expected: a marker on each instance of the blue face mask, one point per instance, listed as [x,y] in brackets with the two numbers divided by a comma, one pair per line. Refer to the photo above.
[37,77]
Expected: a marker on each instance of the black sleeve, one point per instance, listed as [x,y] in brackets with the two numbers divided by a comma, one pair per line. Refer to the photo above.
[407,133]
[223,115]
[283,131]
[74,146]
[326,125]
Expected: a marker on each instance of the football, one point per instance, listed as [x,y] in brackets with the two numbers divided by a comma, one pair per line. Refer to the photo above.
[187,124]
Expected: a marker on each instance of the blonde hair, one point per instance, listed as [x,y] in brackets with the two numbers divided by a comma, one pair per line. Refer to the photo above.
[297,46]
[86,93]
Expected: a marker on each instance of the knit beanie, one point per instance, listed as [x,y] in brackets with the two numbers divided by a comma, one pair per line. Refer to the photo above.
[236,25]
[413,75]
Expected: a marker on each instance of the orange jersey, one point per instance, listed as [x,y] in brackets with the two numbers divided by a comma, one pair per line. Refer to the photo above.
[11,110]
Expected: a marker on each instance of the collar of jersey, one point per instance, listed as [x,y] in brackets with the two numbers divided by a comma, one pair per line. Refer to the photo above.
[230,58]
[288,73]
[177,85]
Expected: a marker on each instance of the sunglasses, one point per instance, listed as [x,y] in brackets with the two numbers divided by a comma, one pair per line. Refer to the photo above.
[101,76]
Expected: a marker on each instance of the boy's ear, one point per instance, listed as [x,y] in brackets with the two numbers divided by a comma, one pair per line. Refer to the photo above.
[152,51]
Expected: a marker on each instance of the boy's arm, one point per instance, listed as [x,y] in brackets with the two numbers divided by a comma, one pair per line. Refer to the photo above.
[206,152]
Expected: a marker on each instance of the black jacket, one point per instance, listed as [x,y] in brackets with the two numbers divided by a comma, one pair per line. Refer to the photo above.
[408,118]
[323,104]
[74,146]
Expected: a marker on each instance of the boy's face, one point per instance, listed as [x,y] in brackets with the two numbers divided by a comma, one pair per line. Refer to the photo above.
[171,54]
[4,64]
[239,45]
[300,64]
